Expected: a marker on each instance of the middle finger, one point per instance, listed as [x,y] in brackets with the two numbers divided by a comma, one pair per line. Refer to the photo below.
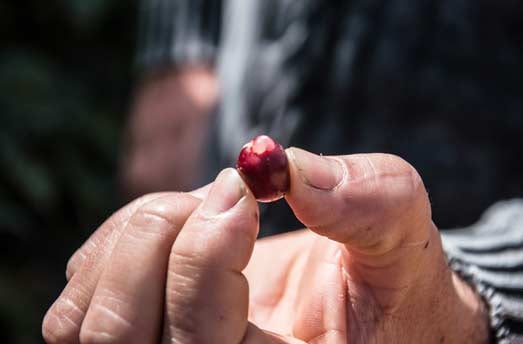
[127,304]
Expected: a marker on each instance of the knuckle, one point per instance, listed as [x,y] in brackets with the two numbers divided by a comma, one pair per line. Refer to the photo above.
[56,335]
[404,166]
[404,170]
[143,200]
[70,270]
[83,253]
[93,336]
[407,168]
[415,176]
[163,215]
[139,202]
[59,326]
[64,319]
[146,198]
[106,321]
[157,217]
[53,331]
[110,304]
[73,264]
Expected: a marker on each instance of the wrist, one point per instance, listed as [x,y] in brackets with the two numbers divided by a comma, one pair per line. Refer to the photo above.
[465,313]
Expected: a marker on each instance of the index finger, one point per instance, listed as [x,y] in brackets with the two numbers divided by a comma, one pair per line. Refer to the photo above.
[100,235]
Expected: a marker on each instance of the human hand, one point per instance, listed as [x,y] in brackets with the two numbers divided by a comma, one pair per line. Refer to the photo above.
[379,277]
[376,273]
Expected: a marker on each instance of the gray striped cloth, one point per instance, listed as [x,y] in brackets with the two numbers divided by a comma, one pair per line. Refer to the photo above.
[376,75]
[489,254]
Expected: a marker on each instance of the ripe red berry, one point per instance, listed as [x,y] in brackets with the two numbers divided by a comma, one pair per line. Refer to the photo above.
[263,165]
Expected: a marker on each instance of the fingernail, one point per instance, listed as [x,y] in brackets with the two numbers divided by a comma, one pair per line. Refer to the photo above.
[225,192]
[320,172]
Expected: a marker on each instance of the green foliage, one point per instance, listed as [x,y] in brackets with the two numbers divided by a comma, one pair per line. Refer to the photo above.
[65,76]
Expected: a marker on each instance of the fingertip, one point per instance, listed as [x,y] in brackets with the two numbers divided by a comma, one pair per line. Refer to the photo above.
[314,188]
[227,217]
[227,190]
[315,171]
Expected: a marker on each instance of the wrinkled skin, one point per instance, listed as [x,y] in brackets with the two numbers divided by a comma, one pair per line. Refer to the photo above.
[185,268]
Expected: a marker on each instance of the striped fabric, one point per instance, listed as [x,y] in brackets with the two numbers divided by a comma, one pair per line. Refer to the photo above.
[489,254]
[344,76]
[180,31]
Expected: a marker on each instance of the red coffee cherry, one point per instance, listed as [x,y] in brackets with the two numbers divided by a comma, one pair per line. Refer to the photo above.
[263,165]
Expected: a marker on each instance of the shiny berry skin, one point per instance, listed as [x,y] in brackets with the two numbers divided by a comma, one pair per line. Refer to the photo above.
[263,165]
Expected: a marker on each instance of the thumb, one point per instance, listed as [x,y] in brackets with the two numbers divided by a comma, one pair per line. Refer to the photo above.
[372,203]
[377,207]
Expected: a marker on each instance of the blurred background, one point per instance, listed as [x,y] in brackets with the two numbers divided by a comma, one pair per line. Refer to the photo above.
[66,70]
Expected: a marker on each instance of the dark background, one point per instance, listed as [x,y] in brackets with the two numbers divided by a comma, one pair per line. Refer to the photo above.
[66,70]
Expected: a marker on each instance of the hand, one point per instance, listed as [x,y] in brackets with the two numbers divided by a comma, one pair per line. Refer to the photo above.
[376,273]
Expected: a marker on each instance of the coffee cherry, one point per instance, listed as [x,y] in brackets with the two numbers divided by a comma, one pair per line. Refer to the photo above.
[263,165]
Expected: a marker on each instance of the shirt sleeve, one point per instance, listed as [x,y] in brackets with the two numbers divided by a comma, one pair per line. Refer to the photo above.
[489,255]
[173,32]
